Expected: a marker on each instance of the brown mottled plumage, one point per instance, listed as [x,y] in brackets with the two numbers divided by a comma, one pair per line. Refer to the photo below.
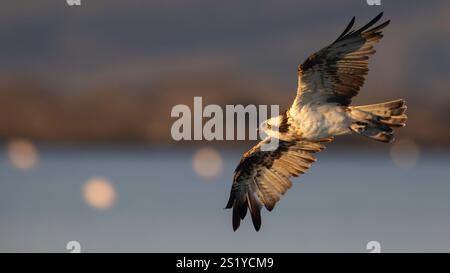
[337,72]
[262,177]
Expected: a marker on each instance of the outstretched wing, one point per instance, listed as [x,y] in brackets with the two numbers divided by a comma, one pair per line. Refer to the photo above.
[262,177]
[336,73]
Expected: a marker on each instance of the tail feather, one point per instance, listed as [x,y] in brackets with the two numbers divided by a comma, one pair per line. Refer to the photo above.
[395,121]
[377,120]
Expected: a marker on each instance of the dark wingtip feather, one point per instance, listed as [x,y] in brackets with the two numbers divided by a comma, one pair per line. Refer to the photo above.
[255,211]
[240,208]
[371,23]
[346,30]
[366,28]
[379,15]
[270,206]
[257,226]
[243,211]
[230,200]
[256,219]
[236,217]
[381,26]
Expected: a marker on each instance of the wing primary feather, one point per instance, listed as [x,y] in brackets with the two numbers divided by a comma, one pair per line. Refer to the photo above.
[381,26]
[231,199]
[243,211]
[236,215]
[255,210]
[371,23]
[349,26]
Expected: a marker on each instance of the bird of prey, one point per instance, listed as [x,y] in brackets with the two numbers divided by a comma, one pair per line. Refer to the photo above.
[327,82]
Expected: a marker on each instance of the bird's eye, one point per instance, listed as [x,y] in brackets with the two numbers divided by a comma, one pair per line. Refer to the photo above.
[269,126]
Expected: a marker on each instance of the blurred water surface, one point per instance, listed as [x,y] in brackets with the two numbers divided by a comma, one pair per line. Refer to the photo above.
[346,200]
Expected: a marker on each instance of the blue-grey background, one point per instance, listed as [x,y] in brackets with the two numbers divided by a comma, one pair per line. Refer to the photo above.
[346,200]
[88,92]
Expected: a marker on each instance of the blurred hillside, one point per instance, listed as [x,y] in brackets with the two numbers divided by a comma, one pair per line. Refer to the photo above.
[112,70]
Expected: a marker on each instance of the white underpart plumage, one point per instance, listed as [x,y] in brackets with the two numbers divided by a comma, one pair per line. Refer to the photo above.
[314,122]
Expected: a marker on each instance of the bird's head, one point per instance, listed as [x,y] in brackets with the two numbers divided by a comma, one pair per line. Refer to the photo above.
[271,126]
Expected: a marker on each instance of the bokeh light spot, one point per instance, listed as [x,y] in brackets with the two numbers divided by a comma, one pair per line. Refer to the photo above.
[405,153]
[207,163]
[22,154]
[99,193]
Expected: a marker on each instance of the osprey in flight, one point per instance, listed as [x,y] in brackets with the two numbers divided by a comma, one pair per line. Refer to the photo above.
[327,82]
